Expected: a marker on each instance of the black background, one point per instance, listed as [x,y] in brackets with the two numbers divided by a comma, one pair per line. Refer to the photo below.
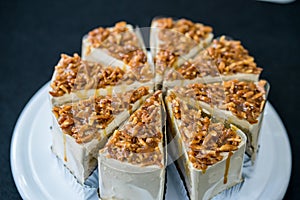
[33,34]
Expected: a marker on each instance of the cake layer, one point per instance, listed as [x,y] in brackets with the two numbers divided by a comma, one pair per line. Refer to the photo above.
[134,159]
[81,128]
[210,154]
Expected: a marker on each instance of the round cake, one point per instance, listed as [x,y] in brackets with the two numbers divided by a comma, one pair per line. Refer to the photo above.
[193,100]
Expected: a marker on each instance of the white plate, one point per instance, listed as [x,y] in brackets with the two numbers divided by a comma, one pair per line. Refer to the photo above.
[39,175]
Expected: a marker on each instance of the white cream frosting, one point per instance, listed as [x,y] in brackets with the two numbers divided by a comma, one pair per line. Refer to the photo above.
[119,180]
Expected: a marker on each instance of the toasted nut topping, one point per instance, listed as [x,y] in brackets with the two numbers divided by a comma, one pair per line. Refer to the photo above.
[187,28]
[73,74]
[65,75]
[121,43]
[231,57]
[204,139]
[138,141]
[223,57]
[84,119]
[244,99]
[178,38]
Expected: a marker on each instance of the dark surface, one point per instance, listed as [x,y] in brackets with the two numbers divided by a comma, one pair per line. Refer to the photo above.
[33,34]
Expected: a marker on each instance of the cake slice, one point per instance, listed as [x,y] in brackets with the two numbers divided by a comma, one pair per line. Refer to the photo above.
[132,164]
[224,59]
[76,79]
[81,128]
[172,42]
[239,102]
[120,45]
[209,153]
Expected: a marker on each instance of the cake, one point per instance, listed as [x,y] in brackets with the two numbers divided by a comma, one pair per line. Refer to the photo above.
[224,59]
[75,79]
[210,154]
[172,42]
[121,46]
[81,128]
[238,102]
[108,109]
[133,162]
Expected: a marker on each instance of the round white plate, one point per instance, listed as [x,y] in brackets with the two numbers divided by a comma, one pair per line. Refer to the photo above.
[39,175]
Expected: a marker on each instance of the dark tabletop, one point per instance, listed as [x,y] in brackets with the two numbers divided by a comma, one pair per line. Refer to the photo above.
[34,34]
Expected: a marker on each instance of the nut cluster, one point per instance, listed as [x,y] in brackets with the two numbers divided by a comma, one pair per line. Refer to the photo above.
[138,140]
[73,74]
[177,38]
[204,139]
[120,42]
[84,119]
[245,100]
[138,93]
[135,150]
[65,75]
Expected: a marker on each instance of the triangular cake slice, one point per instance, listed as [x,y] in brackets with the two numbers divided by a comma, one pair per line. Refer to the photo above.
[120,45]
[209,153]
[76,79]
[132,164]
[172,42]
[81,128]
[224,59]
[238,102]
